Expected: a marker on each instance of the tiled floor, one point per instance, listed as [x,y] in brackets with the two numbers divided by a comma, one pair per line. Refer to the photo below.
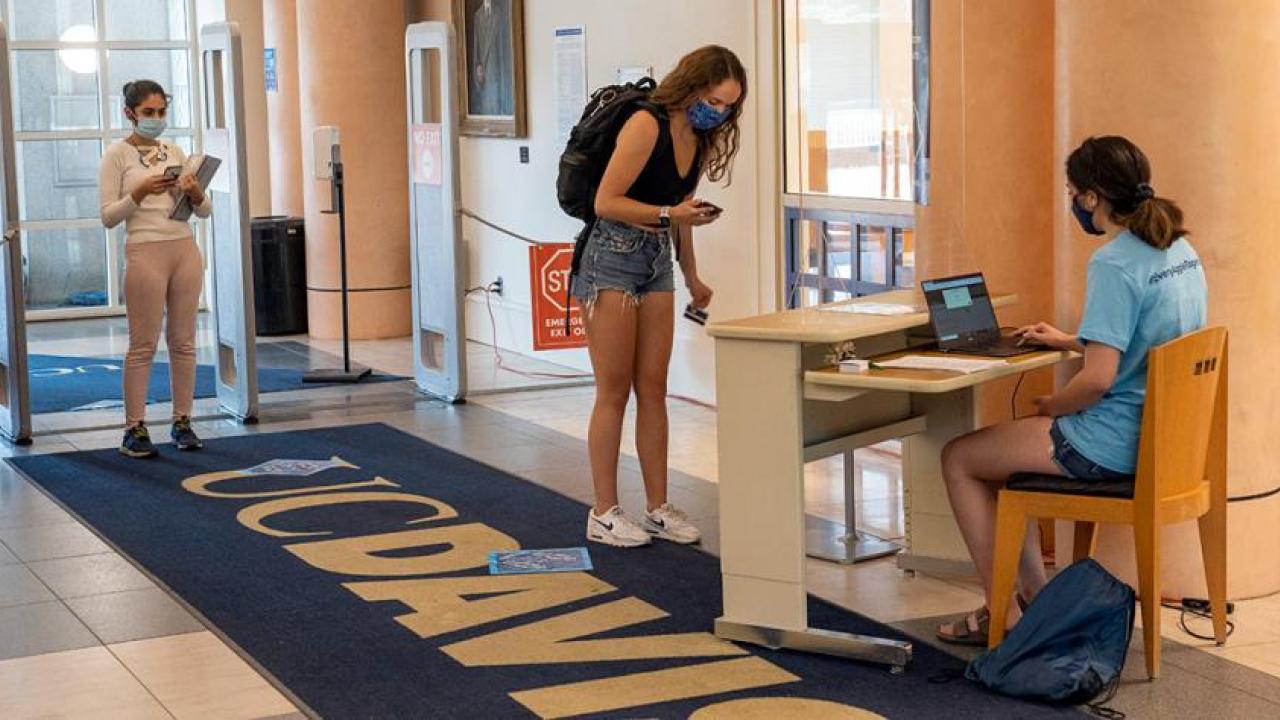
[85,634]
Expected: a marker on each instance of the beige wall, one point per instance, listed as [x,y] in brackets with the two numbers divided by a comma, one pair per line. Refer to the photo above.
[729,252]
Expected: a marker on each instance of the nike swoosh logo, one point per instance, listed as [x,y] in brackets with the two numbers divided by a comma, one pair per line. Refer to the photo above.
[602,524]
[658,522]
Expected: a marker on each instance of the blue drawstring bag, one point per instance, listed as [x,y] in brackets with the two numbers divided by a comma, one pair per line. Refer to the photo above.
[1070,644]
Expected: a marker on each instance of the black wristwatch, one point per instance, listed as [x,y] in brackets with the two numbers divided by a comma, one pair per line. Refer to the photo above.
[664,216]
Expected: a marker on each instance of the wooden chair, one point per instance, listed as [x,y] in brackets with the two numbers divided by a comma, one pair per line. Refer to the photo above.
[1181,475]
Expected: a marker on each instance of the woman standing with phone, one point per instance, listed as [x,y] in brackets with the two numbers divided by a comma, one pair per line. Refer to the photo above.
[645,204]
[141,179]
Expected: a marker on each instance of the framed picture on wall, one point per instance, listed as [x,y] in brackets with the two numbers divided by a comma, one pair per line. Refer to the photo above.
[491,50]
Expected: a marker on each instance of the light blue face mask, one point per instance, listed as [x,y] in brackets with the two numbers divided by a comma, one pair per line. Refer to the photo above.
[704,117]
[151,128]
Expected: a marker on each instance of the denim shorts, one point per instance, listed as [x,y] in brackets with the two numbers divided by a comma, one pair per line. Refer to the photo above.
[1077,466]
[625,258]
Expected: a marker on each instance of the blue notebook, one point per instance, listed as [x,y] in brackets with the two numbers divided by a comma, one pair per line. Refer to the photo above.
[520,562]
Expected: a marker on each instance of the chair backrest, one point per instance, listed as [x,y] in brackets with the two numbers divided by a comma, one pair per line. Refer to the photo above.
[1184,418]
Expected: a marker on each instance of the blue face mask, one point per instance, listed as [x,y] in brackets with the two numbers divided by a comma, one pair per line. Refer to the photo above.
[1085,218]
[151,128]
[704,117]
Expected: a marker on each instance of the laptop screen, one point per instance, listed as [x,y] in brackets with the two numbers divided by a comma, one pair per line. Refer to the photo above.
[960,309]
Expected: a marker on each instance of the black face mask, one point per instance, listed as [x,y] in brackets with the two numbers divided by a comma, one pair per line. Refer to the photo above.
[1085,218]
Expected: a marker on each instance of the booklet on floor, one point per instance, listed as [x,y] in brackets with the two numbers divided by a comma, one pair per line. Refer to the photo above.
[520,562]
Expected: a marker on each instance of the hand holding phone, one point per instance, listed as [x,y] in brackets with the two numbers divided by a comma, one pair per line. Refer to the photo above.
[697,315]
[708,209]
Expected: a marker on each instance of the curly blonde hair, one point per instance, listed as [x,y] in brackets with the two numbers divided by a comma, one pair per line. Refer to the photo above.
[696,72]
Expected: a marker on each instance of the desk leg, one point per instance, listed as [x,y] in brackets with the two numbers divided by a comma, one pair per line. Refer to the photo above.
[845,544]
[934,543]
[762,521]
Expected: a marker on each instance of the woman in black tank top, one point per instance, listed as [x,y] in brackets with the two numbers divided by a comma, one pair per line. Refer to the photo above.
[646,209]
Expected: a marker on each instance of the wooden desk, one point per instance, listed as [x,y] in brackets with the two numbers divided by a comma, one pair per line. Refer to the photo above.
[781,404]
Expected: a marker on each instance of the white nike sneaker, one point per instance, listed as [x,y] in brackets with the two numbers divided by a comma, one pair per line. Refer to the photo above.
[614,528]
[671,524]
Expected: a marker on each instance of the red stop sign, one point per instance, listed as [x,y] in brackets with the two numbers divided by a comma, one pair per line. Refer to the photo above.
[549,268]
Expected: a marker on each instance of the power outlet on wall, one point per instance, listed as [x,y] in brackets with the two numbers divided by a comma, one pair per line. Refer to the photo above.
[524,154]
[497,286]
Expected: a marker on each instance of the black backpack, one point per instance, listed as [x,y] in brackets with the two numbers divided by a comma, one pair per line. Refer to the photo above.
[590,146]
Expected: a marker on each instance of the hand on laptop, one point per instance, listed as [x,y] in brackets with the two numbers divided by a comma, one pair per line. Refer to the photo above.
[1045,334]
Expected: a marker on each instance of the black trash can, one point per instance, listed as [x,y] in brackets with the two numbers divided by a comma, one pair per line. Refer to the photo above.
[279,275]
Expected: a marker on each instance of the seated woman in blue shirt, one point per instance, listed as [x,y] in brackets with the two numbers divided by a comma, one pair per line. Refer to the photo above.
[1145,288]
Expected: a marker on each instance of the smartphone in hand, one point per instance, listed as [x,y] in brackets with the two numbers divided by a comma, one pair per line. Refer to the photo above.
[172,172]
[709,209]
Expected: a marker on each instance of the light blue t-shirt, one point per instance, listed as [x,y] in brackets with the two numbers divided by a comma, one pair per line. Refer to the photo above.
[1138,297]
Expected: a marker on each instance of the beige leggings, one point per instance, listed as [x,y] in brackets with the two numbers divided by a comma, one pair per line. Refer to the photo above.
[160,276]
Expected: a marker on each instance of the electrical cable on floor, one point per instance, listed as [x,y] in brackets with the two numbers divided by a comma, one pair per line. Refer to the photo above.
[1195,611]
[497,354]
[1255,496]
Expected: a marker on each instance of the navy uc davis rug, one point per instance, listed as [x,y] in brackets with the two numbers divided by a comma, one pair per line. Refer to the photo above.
[61,383]
[351,563]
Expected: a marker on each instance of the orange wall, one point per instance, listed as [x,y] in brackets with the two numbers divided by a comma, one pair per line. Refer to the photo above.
[1195,84]
[1016,84]
[281,25]
[351,74]
[994,185]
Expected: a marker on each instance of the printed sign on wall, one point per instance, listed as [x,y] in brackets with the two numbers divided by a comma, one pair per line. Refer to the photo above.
[549,267]
[269,77]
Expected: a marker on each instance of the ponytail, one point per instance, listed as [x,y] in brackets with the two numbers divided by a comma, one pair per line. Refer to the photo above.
[1157,221]
[1117,170]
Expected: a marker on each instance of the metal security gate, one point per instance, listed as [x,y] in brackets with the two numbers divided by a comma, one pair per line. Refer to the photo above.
[15,408]
[229,246]
[439,335]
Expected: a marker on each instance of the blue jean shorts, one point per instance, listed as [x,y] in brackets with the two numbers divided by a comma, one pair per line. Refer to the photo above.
[1077,466]
[622,257]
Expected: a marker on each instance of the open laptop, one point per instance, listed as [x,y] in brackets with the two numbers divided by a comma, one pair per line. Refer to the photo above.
[964,320]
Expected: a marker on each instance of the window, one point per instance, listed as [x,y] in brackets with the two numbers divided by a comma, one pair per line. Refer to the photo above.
[70,59]
[838,254]
[851,145]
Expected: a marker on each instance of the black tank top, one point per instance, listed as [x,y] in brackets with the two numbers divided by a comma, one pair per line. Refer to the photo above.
[659,183]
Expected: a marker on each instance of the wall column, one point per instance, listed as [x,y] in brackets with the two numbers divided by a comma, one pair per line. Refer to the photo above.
[247,14]
[351,75]
[281,34]
[1193,84]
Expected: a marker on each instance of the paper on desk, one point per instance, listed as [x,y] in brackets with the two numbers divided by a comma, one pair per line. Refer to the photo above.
[871,309]
[930,362]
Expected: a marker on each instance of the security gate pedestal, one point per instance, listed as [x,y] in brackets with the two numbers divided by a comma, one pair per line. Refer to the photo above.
[15,408]
[230,246]
[439,333]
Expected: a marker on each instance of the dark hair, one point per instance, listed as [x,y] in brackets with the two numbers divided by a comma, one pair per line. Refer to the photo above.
[1117,170]
[701,69]
[137,92]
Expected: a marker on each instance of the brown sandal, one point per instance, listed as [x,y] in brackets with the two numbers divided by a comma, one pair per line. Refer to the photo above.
[972,629]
